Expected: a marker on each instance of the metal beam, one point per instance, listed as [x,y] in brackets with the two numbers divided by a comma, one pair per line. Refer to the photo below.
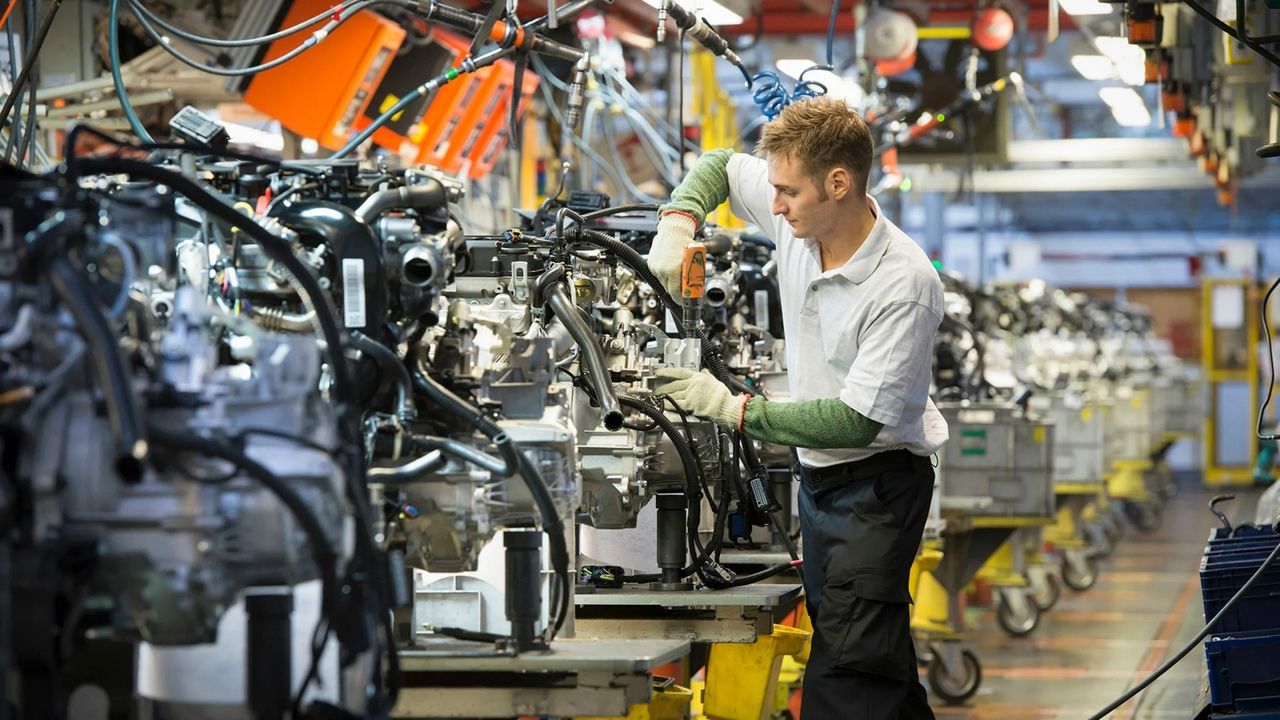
[1113,179]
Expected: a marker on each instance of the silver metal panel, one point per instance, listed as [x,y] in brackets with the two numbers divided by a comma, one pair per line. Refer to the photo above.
[768,595]
[572,655]
[613,700]
[995,453]
[744,629]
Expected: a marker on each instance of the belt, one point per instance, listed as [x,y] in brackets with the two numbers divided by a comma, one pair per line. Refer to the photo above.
[854,470]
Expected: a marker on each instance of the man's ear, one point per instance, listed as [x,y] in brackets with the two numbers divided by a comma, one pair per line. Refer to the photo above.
[838,182]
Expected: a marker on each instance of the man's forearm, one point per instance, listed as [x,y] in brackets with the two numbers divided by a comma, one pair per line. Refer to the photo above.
[705,187]
[818,424]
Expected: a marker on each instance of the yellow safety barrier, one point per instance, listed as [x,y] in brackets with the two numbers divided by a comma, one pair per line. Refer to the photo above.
[742,680]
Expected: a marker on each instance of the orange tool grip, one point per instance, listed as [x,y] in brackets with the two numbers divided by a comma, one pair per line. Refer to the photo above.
[693,271]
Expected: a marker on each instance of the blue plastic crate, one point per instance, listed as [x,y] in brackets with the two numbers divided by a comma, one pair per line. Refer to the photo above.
[1244,672]
[1240,532]
[1224,572]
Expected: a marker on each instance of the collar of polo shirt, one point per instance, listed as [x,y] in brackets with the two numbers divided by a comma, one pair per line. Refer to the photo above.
[867,258]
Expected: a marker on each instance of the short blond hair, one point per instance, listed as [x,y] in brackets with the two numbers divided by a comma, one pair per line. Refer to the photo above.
[820,134]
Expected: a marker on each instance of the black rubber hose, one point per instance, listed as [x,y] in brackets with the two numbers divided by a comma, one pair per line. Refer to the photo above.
[321,550]
[636,262]
[552,525]
[430,194]
[109,366]
[592,356]
[350,238]
[393,366]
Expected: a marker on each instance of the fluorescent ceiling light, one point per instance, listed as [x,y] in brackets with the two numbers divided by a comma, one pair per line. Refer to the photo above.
[709,10]
[1094,67]
[1132,116]
[1130,60]
[1084,7]
[1121,97]
[1127,106]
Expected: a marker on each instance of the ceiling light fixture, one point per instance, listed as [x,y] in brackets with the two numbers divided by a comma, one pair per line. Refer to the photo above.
[1085,7]
[1127,106]
[709,10]
[1094,67]
[1130,60]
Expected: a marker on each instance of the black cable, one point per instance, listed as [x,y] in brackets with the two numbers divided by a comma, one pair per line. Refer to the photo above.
[28,146]
[619,209]
[1213,19]
[105,356]
[552,524]
[1271,365]
[74,133]
[679,143]
[1194,643]
[13,77]
[29,62]
[321,550]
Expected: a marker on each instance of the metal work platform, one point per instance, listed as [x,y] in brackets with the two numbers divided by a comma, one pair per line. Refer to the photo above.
[736,615]
[577,677]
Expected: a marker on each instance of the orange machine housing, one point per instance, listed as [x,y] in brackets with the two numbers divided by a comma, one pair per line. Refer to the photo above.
[461,128]
[321,93]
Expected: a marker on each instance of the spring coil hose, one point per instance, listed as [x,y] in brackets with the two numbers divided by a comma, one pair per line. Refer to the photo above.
[772,96]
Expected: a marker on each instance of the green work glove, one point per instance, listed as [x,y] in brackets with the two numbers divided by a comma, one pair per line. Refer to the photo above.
[703,395]
[666,255]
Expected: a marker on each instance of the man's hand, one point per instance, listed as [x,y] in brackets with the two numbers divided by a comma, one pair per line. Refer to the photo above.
[703,395]
[675,230]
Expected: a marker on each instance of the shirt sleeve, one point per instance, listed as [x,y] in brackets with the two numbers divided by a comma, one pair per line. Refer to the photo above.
[895,360]
[750,194]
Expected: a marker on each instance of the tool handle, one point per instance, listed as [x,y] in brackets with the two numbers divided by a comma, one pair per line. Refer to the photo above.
[693,272]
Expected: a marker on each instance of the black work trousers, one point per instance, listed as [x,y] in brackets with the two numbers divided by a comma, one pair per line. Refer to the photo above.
[861,524]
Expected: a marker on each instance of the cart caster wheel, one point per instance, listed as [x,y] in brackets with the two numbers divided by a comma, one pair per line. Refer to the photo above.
[1146,516]
[955,690]
[1045,592]
[1102,540]
[1080,576]
[1018,624]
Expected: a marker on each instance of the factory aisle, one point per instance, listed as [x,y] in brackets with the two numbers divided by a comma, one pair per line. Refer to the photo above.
[1094,645]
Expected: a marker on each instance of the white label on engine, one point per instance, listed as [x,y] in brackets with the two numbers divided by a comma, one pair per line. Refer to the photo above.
[762,309]
[353,292]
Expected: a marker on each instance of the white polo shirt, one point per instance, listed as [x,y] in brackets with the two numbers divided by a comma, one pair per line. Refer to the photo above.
[863,332]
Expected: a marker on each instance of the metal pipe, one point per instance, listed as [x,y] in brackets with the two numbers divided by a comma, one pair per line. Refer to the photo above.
[467,453]
[422,265]
[410,471]
[592,356]
[275,319]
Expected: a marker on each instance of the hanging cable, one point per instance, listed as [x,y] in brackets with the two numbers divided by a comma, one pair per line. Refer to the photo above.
[141,9]
[316,38]
[29,62]
[113,43]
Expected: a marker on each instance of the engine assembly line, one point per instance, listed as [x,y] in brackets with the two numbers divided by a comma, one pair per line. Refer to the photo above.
[427,359]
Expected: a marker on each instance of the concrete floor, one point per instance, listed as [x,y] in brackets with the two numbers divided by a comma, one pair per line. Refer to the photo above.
[1093,645]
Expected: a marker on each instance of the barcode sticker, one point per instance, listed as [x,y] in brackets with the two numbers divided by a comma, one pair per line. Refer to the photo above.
[353,292]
